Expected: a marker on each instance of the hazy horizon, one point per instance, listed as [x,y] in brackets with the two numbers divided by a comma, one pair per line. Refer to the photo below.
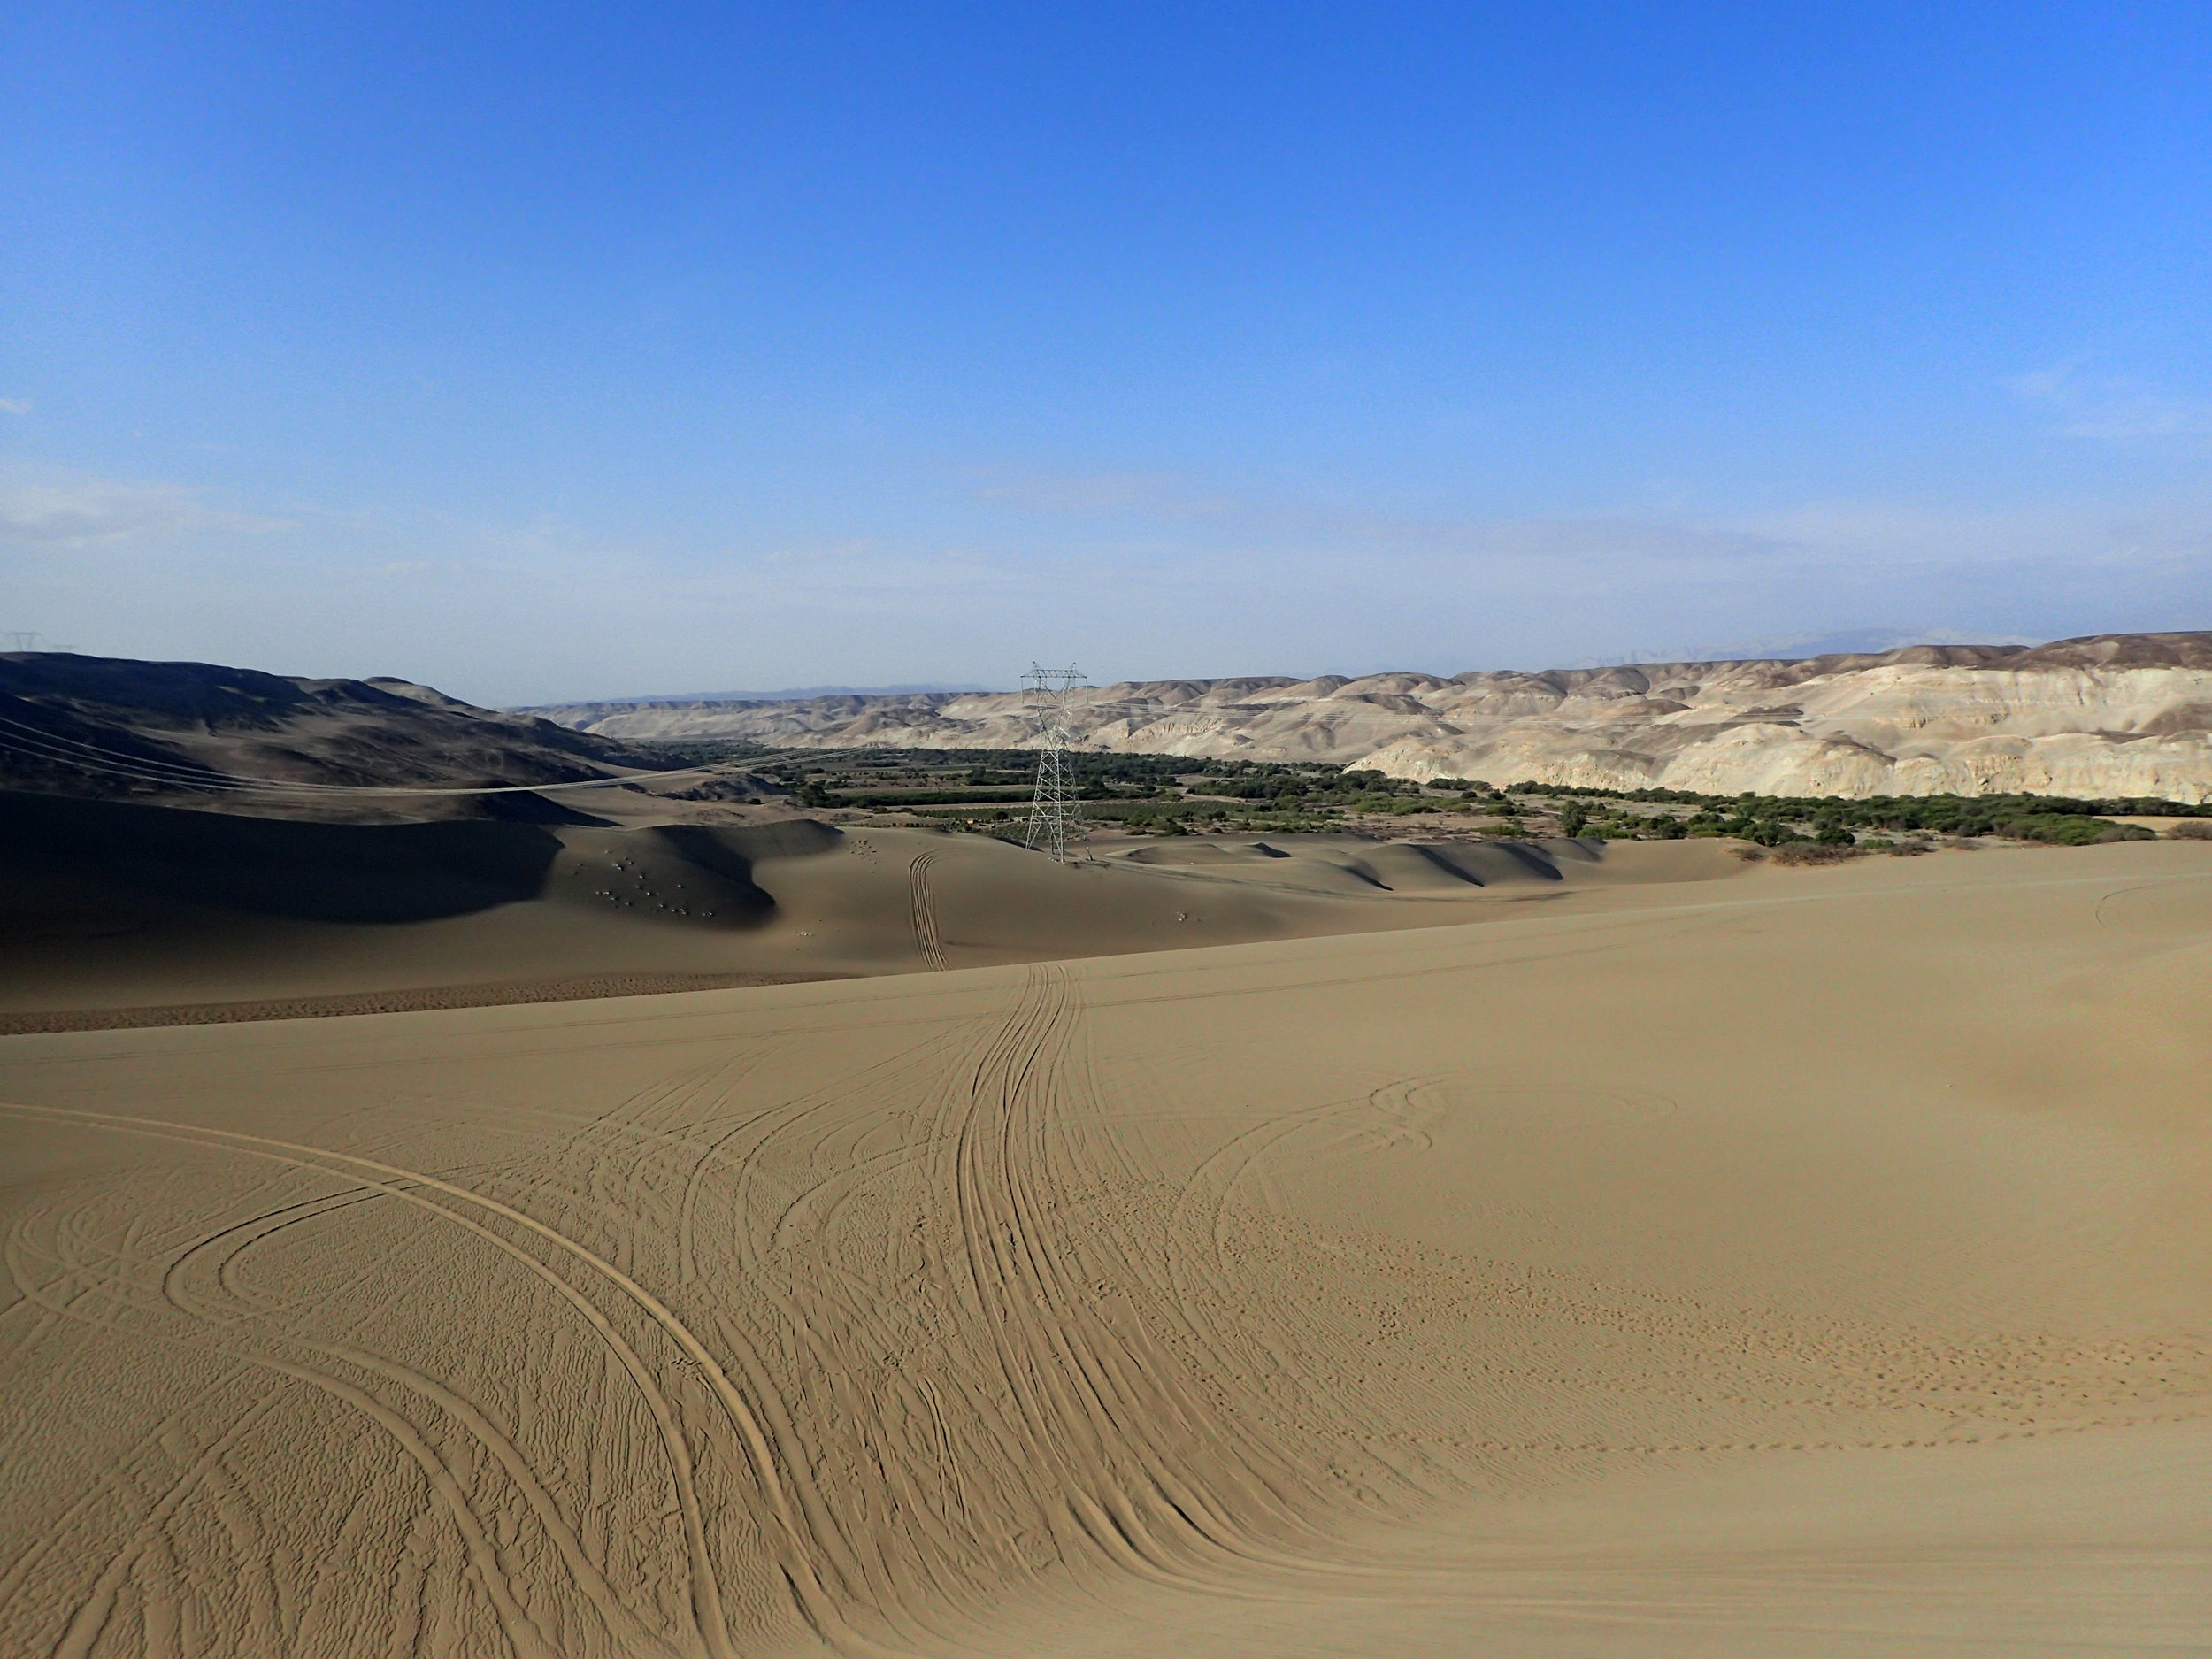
[786,348]
[1864,641]
[1870,641]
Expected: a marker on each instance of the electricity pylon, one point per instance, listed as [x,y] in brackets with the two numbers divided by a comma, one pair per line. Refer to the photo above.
[1055,822]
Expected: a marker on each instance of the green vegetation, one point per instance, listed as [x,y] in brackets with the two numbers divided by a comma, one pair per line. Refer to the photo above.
[1932,812]
[1773,821]
[2067,831]
[1174,794]
[919,797]
[694,751]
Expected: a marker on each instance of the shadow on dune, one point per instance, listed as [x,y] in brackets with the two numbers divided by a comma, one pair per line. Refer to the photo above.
[531,807]
[1488,862]
[1388,866]
[330,873]
[164,859]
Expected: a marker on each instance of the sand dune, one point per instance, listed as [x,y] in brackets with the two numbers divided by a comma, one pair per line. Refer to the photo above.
[2115,715]
[107,905]
[1810,1263]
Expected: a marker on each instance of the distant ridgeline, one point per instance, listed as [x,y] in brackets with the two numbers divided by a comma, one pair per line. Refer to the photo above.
[2108,718]
[198,732]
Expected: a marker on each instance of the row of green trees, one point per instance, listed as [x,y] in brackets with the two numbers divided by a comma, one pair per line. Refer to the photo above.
[1305,788]
[1902,812]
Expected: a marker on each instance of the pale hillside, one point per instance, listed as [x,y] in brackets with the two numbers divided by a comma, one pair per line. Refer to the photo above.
[2109,716]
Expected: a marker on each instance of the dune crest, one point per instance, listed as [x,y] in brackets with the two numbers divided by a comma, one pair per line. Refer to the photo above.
[143,911]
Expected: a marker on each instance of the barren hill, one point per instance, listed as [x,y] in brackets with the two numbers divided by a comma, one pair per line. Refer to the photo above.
[196,732]
[2111,715]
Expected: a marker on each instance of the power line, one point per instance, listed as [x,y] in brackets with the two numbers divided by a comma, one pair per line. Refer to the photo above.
[1056,820]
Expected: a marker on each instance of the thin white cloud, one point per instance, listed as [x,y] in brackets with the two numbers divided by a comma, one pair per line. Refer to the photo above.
[15,405]
[1139,576]
[1157,493]
[1877,533]
[1887,637]
[80,512]
[2115,409]
[1193,526]
[858,547]
[1166,498]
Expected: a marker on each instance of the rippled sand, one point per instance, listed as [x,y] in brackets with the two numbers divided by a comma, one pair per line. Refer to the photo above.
[1813,1263]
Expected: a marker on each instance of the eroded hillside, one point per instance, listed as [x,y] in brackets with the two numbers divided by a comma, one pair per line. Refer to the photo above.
[2108,716]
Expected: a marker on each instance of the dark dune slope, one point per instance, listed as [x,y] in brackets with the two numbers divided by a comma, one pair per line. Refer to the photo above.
[56,854]
[111,727]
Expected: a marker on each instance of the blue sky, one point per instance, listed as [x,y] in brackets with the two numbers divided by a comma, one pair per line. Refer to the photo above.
[568,350]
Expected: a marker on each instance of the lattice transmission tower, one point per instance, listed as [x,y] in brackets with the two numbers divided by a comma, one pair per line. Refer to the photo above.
[1055,821]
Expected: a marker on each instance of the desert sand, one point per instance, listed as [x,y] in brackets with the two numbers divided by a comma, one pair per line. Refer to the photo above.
[1780,1261]
[124,913]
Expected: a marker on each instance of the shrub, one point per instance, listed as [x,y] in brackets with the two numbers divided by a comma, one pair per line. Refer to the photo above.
[1814,853]
[2197,829]
[2066,829]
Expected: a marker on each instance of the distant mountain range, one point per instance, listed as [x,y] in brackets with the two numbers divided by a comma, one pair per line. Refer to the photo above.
[2107,715]
[2112,714]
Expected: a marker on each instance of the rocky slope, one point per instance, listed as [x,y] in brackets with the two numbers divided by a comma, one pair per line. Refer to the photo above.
[198,733]
[2110,715]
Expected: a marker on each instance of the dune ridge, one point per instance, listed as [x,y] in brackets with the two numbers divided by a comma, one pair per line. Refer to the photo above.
[137,914]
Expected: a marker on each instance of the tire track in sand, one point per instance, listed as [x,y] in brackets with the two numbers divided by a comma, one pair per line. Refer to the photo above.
[525,1636]
[794,1557]
[225,1300]
[992,1402]
[921,904]
[1146,1474]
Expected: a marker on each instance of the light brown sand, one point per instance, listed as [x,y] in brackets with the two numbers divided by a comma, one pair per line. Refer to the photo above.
[1814,1262]
[414,999]
[276,913]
